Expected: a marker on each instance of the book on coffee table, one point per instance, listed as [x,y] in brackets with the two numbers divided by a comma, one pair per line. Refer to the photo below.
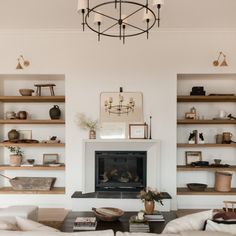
[156,216]
[85,223]
[136,225]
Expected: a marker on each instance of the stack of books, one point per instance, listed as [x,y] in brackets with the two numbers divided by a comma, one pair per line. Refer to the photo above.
[85,223]
[156,216]
[136,225]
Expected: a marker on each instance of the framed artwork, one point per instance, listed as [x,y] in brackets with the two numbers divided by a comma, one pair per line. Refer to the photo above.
[138,131]
[25,134]
[193,156]
[114,107]
[49,158]
[113,130]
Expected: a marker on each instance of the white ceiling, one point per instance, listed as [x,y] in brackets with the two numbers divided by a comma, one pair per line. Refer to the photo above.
[61,14]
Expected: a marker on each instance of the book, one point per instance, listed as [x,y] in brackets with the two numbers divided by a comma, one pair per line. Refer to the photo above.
[85,223]
[156,216]
[136,225]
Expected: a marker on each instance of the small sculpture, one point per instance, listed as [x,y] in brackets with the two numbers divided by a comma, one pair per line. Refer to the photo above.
[201,138]
[191,139]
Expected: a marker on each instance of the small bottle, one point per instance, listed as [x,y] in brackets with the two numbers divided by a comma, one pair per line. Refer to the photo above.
[193,110]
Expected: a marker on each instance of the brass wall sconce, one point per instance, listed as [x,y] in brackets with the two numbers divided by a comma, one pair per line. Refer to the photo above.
[22,63]
[217,62]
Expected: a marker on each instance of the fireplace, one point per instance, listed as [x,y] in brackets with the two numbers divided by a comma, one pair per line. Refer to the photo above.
[120,170]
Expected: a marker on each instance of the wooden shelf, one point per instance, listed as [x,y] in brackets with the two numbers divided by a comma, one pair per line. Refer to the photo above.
[36,167]
[32,98]
[186,145]
[205,168]
[208,191]
[207,122]
[9,190]
[32,144]
[206,98]
[33,122]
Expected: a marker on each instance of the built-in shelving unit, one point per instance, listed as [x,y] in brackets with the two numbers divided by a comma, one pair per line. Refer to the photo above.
[218,97]
[9,190]
[32,122]
[35,167]
[206,145]
[32,99]
[206,98]
[6,144]
[208,191]
[207,168]
[38,123]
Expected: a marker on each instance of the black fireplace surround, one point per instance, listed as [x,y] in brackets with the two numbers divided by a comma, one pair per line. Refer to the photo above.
[120,170]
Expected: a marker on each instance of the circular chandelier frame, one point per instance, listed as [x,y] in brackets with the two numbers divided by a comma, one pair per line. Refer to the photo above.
[120,22]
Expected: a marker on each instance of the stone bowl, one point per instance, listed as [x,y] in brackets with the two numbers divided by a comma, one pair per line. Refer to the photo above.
[26,92]
[197,187]
[108,213]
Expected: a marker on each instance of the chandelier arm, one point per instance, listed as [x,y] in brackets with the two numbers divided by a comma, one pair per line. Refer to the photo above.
[109,28]
[100,13]
[133,13]
[135,27]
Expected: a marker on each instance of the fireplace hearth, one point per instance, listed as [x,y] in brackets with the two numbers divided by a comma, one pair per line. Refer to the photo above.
[120,170]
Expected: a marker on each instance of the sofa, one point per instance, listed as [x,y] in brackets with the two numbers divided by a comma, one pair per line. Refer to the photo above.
[190,225]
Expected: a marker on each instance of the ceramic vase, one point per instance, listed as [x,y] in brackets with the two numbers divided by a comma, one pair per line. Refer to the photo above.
[13,134]
[149,207]
[15,160]
[55,112]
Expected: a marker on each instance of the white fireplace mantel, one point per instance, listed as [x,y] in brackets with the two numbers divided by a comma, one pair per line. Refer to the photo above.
[152,147]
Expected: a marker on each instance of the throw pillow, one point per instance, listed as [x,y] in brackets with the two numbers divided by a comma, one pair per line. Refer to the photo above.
[225,215]
[29,225]
[7,224]
[227,227]
[194,221]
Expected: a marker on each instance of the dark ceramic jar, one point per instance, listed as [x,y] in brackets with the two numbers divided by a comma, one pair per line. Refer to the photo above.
[55,112]
[22,115]
[13,134]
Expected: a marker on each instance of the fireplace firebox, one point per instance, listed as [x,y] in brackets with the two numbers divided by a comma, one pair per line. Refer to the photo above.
[120,170]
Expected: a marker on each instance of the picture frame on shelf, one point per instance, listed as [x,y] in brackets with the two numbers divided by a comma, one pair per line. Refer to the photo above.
[25,134]
[192,156]
[138,131]
[50,158]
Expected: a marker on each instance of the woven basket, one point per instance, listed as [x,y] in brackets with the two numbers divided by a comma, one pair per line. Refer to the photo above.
[223,181]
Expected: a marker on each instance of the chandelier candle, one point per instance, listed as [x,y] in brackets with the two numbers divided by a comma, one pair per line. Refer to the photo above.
[109,18]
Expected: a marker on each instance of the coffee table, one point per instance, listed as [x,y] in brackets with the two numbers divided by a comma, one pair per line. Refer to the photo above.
[121,225]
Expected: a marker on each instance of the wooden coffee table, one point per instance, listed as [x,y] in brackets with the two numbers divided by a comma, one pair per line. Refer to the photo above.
[121,225]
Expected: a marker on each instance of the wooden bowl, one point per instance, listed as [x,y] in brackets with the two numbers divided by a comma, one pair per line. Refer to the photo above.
[26,92]
[196,187]
[108,213]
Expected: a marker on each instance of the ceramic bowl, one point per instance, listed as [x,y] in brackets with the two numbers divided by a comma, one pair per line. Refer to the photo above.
[26,92]
[196,187]
[108,213]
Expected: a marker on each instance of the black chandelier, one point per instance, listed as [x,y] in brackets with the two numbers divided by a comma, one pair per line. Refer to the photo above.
[116,13]
[119,108]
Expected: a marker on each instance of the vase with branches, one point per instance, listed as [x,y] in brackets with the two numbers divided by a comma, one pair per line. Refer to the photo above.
[15,156]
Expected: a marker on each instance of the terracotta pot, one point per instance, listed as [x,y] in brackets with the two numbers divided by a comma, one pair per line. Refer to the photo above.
[15,160]
[149,207]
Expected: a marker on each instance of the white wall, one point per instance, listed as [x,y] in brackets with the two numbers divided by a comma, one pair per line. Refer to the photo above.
[91,68]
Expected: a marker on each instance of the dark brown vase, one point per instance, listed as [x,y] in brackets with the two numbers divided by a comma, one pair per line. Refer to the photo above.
[55,112]
[22,115]
[13,134]
[149,207]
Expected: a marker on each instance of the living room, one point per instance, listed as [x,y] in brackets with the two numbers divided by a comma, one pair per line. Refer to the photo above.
[49,35]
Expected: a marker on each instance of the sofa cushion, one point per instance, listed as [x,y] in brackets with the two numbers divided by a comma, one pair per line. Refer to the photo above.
[203,233]
[29,225]
[6,224]
[142,234]
[51,233]
[221,226]
[194,221]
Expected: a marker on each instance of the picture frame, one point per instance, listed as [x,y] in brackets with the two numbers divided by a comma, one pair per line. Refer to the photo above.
[193,156]
[25,134]
[50,158]
[138,131]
